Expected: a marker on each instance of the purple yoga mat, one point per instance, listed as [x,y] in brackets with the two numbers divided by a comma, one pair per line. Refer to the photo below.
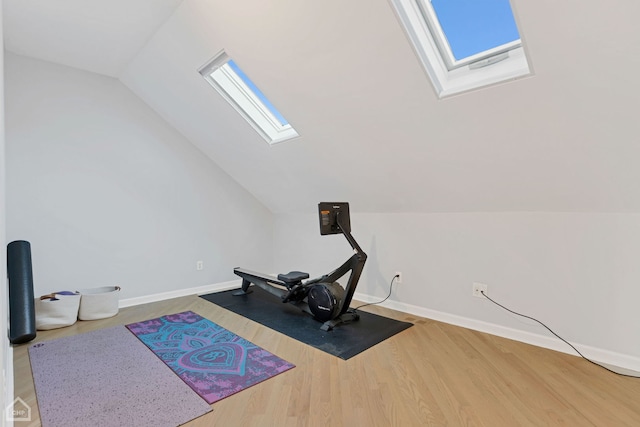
[108,378]
[213,361]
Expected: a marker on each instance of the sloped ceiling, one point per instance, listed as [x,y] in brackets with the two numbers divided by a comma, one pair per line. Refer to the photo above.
[93,35]
[372,130]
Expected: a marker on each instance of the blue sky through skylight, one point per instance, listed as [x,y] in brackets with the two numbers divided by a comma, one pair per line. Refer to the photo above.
[257,92]
[474,26]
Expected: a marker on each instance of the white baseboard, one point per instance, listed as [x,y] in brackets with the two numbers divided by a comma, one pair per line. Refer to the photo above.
[596,354]
[8,384]
[216,287]
[609,358]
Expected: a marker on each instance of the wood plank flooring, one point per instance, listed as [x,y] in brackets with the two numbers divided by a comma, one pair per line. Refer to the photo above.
[431,374]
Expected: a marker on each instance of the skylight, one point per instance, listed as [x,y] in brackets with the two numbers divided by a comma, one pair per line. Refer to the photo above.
[464,44]
[235,86]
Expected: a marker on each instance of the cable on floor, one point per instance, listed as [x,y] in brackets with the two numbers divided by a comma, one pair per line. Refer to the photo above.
[380,302]
[557,336]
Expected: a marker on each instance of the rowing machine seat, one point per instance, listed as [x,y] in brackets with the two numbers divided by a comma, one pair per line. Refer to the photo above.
[293,277]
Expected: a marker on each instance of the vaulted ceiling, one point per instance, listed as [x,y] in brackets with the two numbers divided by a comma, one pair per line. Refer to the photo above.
[373,132]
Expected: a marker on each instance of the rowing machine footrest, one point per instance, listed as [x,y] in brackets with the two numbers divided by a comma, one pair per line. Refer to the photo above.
[296,293]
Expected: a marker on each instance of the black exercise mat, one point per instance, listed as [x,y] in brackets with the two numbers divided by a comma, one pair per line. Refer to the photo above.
[344,341]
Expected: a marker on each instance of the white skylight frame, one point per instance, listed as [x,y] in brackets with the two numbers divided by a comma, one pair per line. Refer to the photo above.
[449,77]
[244,100]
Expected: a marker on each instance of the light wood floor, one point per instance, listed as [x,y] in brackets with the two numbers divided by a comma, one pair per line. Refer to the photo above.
[430,374]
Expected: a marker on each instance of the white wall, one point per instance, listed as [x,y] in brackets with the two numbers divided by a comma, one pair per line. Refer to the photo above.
[6,353]
[577,272]
[108,193]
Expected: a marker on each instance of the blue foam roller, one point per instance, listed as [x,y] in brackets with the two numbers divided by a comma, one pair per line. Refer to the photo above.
[22,316]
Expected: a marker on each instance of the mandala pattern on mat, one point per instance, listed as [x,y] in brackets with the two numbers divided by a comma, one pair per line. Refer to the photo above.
[213,361]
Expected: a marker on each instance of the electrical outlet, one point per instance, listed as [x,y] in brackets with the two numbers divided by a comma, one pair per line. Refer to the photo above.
[200,265]
[398,277]
[478,288]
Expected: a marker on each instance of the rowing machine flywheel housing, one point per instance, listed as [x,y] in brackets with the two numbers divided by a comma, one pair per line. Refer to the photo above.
[325,300]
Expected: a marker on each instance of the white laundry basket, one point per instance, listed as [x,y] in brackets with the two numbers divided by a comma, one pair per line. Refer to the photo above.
[98,303]
[56,310]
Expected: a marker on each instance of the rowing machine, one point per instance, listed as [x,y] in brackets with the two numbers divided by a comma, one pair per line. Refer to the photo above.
[322,297]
